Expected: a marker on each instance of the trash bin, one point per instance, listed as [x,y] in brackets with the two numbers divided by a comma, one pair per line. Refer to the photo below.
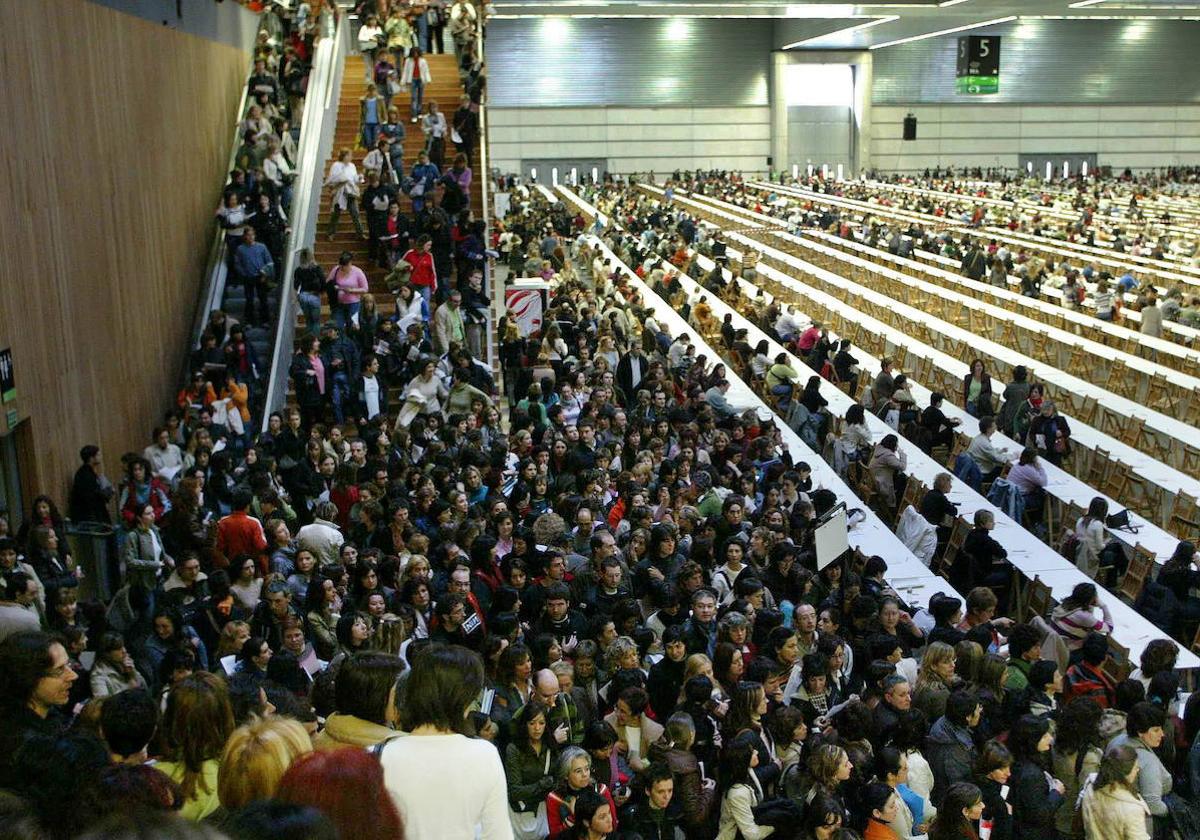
[91,544]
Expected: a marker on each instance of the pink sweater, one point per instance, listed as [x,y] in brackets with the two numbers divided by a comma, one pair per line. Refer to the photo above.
[351,287]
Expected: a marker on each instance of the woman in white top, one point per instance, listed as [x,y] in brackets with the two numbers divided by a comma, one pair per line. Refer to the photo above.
[446,786]
[742,791]
[1089,530]
[425,394]
[415,73]
[343,180]
[370,38]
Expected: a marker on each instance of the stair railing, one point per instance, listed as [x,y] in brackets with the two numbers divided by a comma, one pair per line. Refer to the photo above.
[315,147]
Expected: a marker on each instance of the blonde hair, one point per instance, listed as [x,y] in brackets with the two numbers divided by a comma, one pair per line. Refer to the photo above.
[620,646]
[938,653]
[228,642]
[256,756]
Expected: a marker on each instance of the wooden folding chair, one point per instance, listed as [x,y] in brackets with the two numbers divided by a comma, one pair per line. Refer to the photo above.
[1140,567]
[1116,482]
[1039,600]
[1097,467]
[1117,665]
[958,536]
[1184,521]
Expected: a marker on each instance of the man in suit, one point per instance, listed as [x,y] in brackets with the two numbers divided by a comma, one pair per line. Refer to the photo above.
[631,369]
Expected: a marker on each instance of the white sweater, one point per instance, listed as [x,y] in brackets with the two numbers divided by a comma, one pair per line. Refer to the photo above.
[447,787]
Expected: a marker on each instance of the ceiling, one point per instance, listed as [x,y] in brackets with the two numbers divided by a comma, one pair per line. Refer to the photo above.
[825,24]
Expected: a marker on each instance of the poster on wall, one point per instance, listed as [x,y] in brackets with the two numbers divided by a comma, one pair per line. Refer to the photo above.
[978,67]
[526,301]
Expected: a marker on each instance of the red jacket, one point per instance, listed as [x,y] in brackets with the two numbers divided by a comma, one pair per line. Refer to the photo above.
[240,533]
[423,272]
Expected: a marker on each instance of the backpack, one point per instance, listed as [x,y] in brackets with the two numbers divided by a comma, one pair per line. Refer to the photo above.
[1069,547]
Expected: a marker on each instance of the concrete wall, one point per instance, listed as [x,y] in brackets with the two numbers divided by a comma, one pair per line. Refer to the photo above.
[633,139]
[1137,136]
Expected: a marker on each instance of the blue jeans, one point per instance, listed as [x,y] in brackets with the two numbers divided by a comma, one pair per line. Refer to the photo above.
[310,305]
[427,293]
[423,32]
[343,314]
[418,94]
[370,134]
[341,390]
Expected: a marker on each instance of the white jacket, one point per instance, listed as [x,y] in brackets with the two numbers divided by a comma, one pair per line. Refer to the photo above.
[406,74]
[917,534]
[737,816]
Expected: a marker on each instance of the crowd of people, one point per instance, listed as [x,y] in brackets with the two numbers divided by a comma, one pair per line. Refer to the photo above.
[598,619]
[596,616]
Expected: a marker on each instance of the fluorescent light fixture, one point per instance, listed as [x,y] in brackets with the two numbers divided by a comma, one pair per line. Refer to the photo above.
[964,28]
[1084,4]
[846,31]
[946,3]
[678,29]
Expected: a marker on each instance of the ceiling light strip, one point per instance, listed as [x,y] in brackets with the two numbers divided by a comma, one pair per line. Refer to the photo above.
[925,35]
[845,31]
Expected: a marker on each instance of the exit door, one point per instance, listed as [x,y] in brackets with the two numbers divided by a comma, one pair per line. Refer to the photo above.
[567,171]
[1059,165]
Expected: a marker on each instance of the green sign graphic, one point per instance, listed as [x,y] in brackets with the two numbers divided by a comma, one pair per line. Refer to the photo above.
[977,84]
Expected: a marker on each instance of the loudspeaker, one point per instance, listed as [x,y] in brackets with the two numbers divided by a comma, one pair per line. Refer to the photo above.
[910,127]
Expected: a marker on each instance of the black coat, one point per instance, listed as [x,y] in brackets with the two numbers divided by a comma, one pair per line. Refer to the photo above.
[1035,804]
[89,500]
[995,808]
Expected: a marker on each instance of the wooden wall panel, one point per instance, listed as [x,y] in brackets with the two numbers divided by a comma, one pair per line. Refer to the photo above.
[116,133]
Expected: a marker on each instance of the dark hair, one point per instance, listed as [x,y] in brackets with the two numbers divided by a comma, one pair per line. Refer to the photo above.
[1027,731]
[251,648]
[24,660]
[1094,648]
[1142,718]
[875,796]
[128,720]
[1127,694]
[911,727]
[1021,639]
[993,756]
[960,705]
[269,819]
[1041,673]
[598,735]
[1078,726]
[735,760]
[587,803]
[950,824]
[364,683]
[444,680]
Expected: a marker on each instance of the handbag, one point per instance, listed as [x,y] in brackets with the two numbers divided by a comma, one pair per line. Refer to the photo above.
[455,137]
[393,86]
[530,825]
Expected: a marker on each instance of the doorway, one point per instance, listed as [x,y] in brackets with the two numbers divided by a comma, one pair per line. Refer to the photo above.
[1059,165]
[551,172]
[12,502]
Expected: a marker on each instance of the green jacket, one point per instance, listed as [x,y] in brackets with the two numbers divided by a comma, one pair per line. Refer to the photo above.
[530,776]
[1018,675]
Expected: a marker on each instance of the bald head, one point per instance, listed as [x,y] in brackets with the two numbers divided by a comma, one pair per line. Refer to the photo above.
[546,684]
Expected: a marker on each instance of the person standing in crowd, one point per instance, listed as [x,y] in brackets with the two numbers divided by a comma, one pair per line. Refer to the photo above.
[415,74]
[343,180]
[444,682]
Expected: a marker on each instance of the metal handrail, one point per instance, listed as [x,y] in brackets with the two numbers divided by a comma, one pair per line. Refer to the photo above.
[484,179]
[217,270]
[316,144]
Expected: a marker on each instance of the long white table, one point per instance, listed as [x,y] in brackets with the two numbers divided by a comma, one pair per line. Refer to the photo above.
[1171,429]
[1118,266]
[1147,468]
[1026,552]
[1184,334]
[916,582]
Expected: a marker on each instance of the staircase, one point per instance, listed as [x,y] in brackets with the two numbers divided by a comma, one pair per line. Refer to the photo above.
[445,89]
